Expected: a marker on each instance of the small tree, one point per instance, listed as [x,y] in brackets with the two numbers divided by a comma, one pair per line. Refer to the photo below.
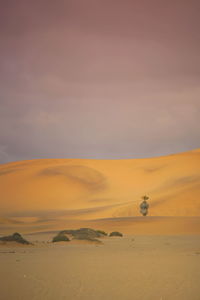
[144,206]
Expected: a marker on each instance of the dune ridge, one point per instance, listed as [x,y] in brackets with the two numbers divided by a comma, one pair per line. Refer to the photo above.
[47,192]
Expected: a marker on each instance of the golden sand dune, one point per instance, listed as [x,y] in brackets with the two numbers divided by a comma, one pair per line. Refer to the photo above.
[81,189]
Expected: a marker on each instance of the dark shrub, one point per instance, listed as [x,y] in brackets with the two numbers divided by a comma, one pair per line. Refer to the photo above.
[85,234]
[60,238]
[103,233]
[16,237]
[116,233]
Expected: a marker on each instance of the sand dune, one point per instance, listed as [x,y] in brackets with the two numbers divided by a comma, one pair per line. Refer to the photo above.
[158,256]
[48,192]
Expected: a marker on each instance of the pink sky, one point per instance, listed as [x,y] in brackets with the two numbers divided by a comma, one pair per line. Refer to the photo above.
[98,79]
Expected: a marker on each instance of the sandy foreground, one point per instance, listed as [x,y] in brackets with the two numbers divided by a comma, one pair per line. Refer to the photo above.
[133,267]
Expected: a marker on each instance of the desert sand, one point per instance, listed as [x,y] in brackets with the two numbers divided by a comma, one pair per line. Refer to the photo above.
[132,267]
[157,258]
[49,194]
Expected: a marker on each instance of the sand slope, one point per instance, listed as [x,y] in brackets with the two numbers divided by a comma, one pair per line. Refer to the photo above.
[50,190]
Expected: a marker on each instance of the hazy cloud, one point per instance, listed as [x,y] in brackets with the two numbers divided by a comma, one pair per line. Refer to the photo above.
[98,79]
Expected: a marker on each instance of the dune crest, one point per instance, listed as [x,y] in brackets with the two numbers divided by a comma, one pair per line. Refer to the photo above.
[48,190]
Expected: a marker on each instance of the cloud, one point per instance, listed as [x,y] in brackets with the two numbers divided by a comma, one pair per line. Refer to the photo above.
[98,79]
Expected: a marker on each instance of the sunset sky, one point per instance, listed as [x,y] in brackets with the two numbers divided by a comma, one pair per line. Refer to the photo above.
[102,79]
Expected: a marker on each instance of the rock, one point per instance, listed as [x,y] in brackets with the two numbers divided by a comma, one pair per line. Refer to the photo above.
[87,234]
[16,237]
[60,237]
[116,233]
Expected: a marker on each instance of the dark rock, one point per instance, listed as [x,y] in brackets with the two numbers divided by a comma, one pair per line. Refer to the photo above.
[61,237]
[83,232]
[16,237]
[103,233]
[116,233]
[87,234]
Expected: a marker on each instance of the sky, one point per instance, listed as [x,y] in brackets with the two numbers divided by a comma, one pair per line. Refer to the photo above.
[101,79]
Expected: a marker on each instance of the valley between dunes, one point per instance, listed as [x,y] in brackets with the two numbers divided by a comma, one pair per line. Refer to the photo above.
[54,194]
